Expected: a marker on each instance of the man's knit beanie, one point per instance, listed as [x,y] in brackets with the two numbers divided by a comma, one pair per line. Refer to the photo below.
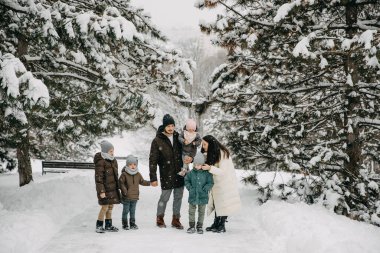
[167,120]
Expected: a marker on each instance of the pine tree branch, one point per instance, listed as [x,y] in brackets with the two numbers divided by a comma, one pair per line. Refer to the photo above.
[64,74]
[65,62]
[267,24]
[12,5]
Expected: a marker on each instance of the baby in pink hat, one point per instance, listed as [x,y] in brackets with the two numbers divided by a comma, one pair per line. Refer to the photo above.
[190,140]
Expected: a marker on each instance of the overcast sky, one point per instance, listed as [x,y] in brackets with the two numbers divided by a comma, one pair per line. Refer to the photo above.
[168,14]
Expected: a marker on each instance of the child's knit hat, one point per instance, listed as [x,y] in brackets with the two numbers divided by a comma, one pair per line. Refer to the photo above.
[199,159]
[106,146]
[131,159]
[191,125]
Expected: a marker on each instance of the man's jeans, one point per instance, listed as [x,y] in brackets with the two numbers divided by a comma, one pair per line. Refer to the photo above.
[129,206]
[177,201]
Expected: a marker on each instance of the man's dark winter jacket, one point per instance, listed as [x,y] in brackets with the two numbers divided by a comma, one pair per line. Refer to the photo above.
[169,160]
[106,180]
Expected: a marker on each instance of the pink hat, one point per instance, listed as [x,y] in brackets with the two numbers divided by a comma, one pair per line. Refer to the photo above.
[191,125]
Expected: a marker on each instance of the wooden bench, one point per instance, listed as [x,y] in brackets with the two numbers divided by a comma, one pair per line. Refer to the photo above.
[63,166]
[58,166]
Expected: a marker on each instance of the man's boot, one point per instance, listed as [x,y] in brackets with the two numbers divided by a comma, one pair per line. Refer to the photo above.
[176,223]
[214,225]
[99,227]
[160,221]
[125,224]
[109,227]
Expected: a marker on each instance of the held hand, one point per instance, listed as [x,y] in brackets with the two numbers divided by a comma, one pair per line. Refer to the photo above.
[154,184]
[186,142]
[102,195]
[206,167]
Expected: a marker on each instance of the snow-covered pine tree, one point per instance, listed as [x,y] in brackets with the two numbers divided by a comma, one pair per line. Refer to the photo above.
[72,71]
[300,92]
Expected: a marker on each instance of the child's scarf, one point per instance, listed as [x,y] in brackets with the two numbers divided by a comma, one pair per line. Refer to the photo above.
[130,171]
[190,137]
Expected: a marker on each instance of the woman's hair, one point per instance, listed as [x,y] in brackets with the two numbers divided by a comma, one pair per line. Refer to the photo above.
[213,151]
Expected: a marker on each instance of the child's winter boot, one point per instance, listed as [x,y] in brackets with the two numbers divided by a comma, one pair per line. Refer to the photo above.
[99,227]
[109,227]
[125,224]
[191,229]
[133,224]
[199,228]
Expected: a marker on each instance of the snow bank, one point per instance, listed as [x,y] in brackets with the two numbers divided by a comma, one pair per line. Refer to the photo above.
[31,215]
[303,228]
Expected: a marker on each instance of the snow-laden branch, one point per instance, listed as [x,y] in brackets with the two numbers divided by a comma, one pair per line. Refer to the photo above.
[367,121]
[245,18]
[65,62]
[283,91]
[13,5]
[64,74]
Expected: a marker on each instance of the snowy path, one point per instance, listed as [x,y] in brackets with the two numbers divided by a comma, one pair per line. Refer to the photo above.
[79,236]
[57,213]
[275,227]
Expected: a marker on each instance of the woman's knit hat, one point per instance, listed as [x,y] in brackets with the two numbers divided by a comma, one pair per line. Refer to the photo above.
[106,146]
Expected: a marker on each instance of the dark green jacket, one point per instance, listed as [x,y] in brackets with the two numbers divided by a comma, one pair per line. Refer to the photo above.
[198,183]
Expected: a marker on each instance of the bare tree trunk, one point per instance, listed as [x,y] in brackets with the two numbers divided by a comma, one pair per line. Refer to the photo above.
[353,149]
[24,164]
[23,156]
[200,110]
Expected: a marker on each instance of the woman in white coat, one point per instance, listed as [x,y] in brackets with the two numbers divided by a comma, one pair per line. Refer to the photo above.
[224,195]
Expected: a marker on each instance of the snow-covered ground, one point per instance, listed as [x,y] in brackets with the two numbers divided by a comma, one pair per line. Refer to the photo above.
[57,213]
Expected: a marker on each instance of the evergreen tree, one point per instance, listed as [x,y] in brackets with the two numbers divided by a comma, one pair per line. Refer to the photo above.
[72,71]
[300,92]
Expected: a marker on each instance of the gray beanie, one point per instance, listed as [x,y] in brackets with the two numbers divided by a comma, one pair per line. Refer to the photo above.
[131,159]
[199,159]
[106,146]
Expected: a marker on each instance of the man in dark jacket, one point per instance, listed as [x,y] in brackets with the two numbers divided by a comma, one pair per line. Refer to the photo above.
[166,152]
